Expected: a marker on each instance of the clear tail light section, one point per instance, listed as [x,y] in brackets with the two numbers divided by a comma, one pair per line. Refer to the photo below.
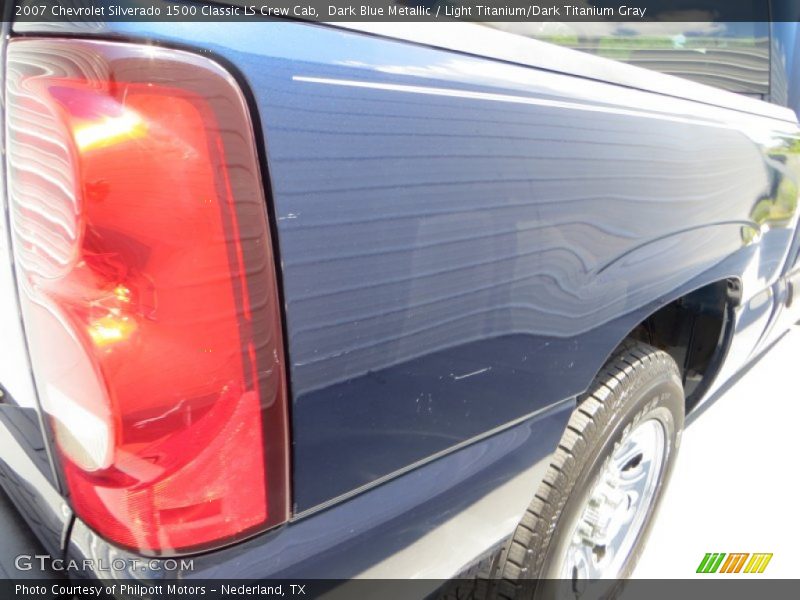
[148,288]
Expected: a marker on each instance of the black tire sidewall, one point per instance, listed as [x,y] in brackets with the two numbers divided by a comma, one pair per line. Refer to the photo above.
[659,397]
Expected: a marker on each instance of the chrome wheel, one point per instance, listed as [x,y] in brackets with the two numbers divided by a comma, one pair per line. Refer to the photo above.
[616,508]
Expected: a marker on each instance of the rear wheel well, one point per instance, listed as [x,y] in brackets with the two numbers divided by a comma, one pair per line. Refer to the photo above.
[695,330]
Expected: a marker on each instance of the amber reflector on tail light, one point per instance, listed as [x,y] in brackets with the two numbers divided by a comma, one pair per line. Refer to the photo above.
[148,290]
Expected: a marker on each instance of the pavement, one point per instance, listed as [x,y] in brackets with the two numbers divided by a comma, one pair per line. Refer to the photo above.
[735,486]
[734,489]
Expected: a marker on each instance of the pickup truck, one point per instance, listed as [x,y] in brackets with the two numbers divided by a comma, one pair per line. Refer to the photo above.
[300,300]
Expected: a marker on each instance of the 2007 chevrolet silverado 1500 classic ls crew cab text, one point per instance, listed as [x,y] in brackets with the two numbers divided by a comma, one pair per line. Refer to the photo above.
[307,300]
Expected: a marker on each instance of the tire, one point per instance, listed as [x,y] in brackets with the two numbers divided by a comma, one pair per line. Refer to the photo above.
[474,583]
[637,390]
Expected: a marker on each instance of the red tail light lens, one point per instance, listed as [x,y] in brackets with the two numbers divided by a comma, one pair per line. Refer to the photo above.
[148,290]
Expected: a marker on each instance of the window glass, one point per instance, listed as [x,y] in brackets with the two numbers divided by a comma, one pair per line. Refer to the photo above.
[729,55]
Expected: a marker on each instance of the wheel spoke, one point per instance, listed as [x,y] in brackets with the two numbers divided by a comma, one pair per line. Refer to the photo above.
[617,505]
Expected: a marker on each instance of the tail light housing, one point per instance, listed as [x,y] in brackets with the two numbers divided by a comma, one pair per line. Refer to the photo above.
[148,290]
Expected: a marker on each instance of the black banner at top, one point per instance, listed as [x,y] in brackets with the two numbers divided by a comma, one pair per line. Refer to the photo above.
[404,10]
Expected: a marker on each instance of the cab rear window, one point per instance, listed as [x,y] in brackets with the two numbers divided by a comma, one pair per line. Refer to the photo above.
[733,55]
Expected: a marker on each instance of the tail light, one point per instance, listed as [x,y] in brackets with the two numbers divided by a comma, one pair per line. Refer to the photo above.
[148,290]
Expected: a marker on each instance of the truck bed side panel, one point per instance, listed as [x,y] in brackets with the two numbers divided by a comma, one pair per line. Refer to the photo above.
[463,241]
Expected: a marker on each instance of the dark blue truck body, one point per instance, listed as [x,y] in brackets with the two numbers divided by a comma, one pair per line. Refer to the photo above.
[462,242]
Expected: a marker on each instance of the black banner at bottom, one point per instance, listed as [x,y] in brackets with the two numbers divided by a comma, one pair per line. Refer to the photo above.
[383,589]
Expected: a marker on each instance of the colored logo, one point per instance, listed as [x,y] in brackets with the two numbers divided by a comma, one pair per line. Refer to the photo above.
[743,562]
